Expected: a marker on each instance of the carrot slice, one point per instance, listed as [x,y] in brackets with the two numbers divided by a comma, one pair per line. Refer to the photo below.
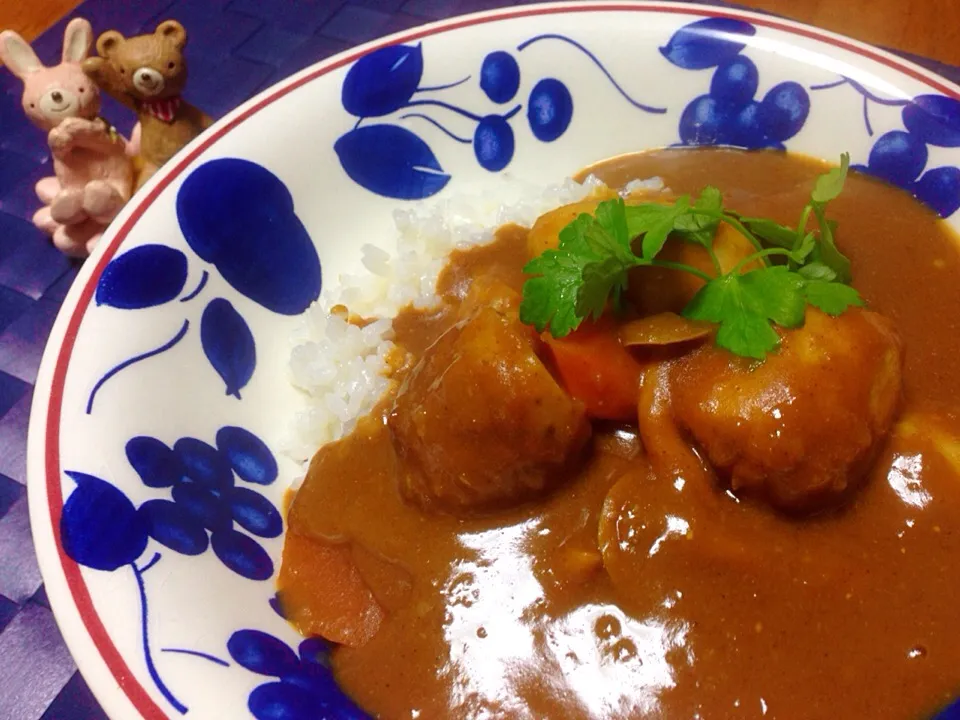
[323,594]
[597,370]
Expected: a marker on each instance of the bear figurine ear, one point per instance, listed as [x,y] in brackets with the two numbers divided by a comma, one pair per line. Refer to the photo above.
[108,43]
[173,32]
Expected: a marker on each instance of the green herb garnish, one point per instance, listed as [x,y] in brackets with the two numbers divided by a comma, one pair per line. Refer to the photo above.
[590,267]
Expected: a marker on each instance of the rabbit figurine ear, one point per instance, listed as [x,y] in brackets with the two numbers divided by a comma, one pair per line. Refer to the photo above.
[77,39]
[18,55]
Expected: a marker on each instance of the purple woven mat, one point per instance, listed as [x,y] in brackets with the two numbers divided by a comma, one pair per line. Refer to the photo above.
[237,48]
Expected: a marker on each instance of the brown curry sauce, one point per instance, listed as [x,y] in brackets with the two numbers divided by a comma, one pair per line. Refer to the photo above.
[848,614]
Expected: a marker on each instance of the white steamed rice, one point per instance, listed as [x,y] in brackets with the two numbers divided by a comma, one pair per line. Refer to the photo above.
[339,366]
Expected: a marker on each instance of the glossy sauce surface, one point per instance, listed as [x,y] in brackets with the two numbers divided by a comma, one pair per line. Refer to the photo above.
[709,607]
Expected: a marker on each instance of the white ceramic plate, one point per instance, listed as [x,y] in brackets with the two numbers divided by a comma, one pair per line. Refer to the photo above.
[163,391]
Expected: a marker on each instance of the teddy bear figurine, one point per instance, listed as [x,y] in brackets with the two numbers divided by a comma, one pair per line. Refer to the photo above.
[147,74]
[94,175]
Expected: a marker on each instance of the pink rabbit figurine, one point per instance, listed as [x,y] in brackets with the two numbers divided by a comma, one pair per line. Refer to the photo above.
[94,174]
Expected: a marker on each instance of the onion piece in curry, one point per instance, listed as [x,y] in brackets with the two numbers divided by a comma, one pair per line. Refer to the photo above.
[588,527]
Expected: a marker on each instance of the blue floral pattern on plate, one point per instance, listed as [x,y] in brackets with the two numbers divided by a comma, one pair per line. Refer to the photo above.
[239,217]
[393,161]
[103,530]
[238,220]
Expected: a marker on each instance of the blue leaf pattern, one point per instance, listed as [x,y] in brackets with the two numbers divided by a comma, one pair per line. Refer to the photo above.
[99,527]
[228,344]
[239,216]
[391,161]
[145,276]
[383,81]
[706,43]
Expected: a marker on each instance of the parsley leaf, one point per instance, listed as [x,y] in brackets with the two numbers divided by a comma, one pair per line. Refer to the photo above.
[831,297]
[590,267]
[655,223]
[826,251]
[699,225]
[551,298]
[771,232]
[576,279]
[743,330]
[775,293]
[744,305]
[829,185]
[817,271]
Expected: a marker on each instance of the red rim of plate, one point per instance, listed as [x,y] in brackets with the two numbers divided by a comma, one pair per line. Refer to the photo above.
[134,691]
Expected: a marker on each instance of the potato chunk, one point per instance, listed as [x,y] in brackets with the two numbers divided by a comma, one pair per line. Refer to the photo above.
[803,427]
[480,423]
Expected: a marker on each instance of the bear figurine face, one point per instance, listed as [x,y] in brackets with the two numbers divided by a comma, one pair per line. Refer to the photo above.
[148,67]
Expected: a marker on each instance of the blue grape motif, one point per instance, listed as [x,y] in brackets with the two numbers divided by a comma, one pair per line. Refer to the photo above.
[735,81]
[939,189]
[493,142]
[100,528]
[500,76]
[393,161]
[304,687]
[730,113]
[205,497]
[203,464]
[247,454]
[157,465]
[173,526]
[783,111]
[900,157]
[549,109]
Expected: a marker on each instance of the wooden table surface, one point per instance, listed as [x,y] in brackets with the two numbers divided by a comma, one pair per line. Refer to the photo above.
[925,27]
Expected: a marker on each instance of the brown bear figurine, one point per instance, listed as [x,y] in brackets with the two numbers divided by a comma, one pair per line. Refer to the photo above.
[147,74]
